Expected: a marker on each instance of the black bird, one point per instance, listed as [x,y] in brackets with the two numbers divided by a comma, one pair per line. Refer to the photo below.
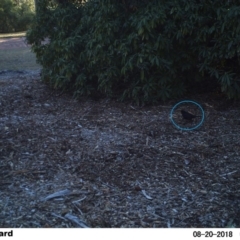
[188,116]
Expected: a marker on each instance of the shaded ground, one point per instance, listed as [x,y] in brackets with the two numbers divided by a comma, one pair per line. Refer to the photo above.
[115,165]
[16,55]
[15,42]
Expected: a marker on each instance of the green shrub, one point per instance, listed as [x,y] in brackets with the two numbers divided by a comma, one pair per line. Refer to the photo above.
[15,18]
[7,16]
[140,50]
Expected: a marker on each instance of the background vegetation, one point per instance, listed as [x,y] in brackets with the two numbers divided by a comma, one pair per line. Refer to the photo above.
[141,50]
[16,15]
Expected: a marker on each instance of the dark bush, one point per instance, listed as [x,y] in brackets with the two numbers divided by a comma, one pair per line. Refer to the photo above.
[140,50]
[15,18]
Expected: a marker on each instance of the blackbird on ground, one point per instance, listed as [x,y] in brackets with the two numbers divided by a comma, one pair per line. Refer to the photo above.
[188,116]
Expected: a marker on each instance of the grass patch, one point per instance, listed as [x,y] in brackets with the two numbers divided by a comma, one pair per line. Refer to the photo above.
[12,35]
[18,59]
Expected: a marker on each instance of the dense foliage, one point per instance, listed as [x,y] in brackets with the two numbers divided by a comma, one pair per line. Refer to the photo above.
[137,49]
[15,16]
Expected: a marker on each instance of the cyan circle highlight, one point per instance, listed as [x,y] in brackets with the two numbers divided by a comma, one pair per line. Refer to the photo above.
[187,129]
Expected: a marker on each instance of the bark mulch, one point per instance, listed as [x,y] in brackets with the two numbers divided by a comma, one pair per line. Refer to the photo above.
[68,163]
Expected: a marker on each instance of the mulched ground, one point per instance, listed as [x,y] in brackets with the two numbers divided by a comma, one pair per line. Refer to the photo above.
[67,163]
